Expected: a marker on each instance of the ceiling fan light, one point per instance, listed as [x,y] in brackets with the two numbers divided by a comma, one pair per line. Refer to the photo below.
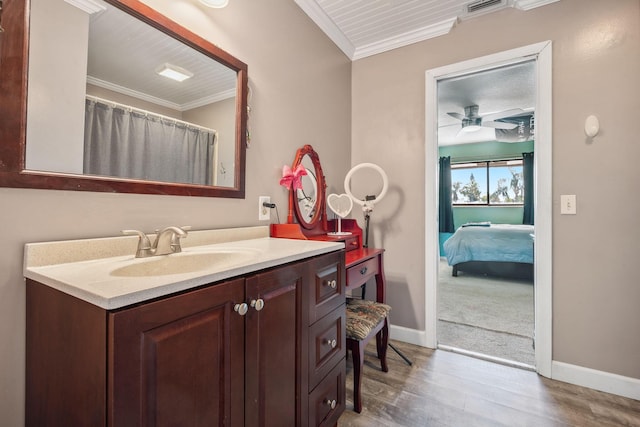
[217,4]
[471,128]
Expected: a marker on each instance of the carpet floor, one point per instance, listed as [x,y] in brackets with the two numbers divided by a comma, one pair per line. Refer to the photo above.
[486,315]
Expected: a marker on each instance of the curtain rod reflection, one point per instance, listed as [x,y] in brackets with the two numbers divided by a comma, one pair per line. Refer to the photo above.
[129,108]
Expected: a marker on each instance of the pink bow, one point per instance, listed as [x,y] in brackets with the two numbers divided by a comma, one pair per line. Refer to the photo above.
[292,178]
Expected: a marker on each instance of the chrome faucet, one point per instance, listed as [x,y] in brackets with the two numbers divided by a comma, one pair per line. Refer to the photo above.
[167,241]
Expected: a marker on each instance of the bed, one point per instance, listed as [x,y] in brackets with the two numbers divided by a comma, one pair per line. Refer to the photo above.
[495,249]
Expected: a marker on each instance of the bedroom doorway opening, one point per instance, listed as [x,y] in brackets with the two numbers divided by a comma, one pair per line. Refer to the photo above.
[487,111]
[486,126]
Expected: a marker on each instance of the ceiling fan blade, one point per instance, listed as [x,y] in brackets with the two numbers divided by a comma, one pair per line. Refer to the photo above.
[500,125]
[456,116]
[448,126]
[502,114]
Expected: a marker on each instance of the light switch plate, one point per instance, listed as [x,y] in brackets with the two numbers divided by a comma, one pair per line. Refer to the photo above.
[568,204]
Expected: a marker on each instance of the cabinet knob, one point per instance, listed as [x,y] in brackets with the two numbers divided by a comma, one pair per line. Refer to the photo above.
[331,402]
[332,283]
[258,304]
[363,270]
[241,309]
[332,343]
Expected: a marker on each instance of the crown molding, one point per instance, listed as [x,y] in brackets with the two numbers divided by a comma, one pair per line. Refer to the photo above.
[158,101]
[531,4]
[405,39]
[315,12]
[88,6]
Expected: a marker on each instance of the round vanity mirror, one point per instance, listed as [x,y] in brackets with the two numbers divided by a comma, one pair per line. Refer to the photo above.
[307,196]
[308,202]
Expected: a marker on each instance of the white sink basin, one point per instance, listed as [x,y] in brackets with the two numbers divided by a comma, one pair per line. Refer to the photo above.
[184,262]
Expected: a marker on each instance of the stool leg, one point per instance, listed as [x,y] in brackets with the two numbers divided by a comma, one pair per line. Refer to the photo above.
[382,342]
[358,361]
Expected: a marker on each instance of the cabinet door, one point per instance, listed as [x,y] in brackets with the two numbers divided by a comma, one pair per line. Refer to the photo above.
[179,360]
[274,333]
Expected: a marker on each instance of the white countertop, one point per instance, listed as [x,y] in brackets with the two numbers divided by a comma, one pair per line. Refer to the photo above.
[88,269]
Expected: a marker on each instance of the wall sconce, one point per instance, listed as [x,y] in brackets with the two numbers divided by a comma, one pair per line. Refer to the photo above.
[591,126]
[217,4]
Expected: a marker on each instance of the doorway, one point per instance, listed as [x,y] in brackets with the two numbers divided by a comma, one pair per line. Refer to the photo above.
[486,127]
[540,54]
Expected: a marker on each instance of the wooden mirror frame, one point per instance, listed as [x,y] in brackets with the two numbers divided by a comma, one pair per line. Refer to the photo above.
[318,223]
[14,53]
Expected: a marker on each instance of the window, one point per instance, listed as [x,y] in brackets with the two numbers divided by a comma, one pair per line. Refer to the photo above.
[497,182]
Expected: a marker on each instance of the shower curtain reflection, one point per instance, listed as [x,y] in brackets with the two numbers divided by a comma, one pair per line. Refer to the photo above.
[128,143]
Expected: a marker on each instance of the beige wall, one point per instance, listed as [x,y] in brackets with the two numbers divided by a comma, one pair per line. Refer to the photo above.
[301,95]
[596,64]
[57,86]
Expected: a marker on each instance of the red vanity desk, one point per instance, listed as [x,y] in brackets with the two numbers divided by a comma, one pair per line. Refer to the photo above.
[361,263]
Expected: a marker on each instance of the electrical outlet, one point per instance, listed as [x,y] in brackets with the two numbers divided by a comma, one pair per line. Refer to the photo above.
[568,204]
[264,213]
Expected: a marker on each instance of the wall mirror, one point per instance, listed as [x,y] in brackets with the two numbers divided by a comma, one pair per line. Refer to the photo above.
[84,106]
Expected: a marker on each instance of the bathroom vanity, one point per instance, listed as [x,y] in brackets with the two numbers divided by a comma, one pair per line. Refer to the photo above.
[237,329]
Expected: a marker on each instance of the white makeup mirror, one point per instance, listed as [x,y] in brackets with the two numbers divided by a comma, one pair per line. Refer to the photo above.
[341,205]
[368,200]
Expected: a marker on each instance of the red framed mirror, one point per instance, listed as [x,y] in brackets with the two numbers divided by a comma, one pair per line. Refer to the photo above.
[308,203]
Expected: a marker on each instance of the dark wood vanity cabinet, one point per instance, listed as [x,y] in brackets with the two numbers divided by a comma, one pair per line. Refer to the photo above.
[178,360]
[189,359]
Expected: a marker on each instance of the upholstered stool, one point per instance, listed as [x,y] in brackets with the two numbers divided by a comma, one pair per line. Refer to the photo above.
[366,319]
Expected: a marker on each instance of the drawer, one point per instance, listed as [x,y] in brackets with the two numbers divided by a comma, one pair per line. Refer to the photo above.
[330,392]
[327,291]
[359,274]
[327,344]
[351,243]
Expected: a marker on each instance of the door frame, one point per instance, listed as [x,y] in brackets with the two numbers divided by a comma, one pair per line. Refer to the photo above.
[543,197]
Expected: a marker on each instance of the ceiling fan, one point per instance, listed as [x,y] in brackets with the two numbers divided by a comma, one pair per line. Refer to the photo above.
[472,121]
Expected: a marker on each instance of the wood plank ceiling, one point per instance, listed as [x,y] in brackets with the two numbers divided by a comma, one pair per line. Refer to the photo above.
[361,28]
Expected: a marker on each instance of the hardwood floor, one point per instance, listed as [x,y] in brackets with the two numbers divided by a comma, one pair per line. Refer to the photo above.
[449,389]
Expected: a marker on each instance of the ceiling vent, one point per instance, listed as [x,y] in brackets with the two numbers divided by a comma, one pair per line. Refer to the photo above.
[480,7]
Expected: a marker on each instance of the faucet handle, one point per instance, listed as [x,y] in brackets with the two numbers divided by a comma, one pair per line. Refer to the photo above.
[144,242]
[144,245]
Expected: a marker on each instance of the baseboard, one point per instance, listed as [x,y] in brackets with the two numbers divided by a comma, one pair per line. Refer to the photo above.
[572,374]
[411,336]
[597,380]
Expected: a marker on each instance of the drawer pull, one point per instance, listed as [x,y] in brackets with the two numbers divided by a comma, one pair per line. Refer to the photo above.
[332,343]
[257,304]
[331,402]
[363,270]
[331,283]
[353,243]
[241,309]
